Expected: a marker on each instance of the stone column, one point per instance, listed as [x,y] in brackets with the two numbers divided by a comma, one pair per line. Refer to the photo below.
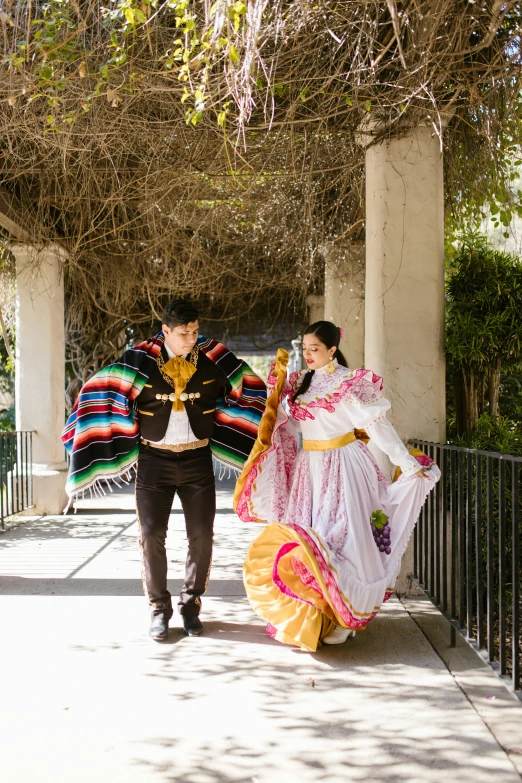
[344,296]
[315,304]
[40,368]
[404,305]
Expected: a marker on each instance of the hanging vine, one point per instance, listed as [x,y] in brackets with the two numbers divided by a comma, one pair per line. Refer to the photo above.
[209,149]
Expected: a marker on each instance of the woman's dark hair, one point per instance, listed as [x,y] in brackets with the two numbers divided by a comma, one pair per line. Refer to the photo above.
[179,313]
[329,334]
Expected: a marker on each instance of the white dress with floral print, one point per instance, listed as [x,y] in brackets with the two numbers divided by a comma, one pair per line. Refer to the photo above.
[332,494]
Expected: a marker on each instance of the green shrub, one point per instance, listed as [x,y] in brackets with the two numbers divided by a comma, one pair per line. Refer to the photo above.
[503,435]
[483,328]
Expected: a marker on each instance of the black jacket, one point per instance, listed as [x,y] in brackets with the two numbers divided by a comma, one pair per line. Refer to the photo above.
[154,414]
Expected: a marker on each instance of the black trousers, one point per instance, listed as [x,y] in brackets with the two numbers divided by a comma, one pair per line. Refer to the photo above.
[160,474]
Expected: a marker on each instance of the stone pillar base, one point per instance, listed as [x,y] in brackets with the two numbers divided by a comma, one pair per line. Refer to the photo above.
[49,489]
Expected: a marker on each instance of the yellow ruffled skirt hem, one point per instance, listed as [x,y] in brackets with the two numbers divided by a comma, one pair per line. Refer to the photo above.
[300,614]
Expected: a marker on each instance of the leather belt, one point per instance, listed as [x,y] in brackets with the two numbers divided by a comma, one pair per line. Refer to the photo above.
[194,444]
[326,445]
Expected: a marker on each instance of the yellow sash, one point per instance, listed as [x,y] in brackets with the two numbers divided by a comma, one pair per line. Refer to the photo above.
[333,443]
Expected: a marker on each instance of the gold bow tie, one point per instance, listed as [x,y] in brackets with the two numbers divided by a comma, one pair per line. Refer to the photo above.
[180,372]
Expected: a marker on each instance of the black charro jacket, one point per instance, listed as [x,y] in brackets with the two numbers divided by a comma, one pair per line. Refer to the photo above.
[154,414]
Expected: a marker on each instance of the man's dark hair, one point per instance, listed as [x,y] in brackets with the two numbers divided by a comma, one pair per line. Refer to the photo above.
[179,313]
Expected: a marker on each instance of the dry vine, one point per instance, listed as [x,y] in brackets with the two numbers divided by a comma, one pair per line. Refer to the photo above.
[209,149]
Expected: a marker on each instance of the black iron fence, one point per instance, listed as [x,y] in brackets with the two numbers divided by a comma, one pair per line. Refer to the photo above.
[467,551]
[16,479]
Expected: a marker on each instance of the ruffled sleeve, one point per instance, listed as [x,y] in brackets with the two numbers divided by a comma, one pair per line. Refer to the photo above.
[363,393]
[261,492]
[367,409]
[290,383]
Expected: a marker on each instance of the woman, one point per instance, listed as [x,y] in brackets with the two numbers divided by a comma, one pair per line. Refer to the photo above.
[337,530]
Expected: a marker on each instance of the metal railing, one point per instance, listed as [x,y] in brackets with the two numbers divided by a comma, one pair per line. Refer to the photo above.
[16,477]
[467,551]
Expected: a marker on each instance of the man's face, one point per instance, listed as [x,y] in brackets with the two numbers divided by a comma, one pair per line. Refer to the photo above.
[181,339]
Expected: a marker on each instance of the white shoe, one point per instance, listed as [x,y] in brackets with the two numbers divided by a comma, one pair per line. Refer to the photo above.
[338,635]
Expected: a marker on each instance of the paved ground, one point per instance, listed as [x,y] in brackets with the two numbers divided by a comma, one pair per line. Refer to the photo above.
[86,696]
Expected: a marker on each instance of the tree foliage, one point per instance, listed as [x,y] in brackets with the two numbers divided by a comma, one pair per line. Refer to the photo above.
[484,328]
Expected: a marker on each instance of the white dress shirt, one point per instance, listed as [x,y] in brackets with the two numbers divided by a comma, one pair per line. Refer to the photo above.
[178,429]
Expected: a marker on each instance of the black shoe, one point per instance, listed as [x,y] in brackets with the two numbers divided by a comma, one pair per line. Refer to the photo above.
[159,627]
[193,626]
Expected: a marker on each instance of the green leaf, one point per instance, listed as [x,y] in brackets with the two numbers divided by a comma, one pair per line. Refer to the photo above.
[368,105]
[233,54]
[379,519]
[348,101]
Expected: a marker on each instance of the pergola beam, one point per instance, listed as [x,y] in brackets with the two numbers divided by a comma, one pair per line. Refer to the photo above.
[10,217]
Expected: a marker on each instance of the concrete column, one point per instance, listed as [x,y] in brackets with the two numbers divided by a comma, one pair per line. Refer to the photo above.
[404,304]
[344,296]
[315,304]
[40,368]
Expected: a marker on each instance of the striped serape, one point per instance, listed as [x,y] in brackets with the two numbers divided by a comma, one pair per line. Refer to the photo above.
[239,412]
[102,433]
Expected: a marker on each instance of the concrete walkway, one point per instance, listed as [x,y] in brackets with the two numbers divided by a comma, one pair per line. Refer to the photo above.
[86,696]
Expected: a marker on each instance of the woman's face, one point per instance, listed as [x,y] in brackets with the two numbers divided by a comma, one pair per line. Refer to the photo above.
[315,352]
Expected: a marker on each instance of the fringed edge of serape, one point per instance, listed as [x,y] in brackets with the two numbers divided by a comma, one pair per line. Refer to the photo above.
[96,489]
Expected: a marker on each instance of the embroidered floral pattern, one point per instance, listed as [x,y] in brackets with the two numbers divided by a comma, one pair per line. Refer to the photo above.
[331,518]
[284,550]
[290,383]
[243,506]
[361,386]
[424,460]
[308,579]
[381,478]
[293,379]
[299,502]
[286,450]
[336,599]
[299,412]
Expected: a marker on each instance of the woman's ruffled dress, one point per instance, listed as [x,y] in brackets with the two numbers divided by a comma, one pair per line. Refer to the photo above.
[337,528]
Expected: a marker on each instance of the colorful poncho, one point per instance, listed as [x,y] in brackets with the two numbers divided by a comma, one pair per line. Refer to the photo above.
[102,433]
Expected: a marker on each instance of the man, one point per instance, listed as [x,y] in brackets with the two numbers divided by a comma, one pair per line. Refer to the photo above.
[175,456]
[163,405]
